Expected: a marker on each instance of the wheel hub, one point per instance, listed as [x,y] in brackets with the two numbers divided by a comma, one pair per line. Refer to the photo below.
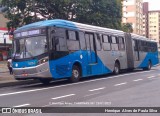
[75,73]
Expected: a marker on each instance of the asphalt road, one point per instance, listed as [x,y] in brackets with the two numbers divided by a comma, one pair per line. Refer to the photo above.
[131,89]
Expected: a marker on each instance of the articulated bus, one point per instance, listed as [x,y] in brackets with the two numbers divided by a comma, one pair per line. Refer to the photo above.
[57,49]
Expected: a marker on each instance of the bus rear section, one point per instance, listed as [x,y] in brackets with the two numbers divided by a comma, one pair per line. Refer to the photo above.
[141,52]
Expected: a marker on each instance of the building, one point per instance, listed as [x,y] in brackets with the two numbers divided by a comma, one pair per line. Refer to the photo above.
[5,44]
[3,21]
[5,40]
[145,19]
[154,25]
[132,13]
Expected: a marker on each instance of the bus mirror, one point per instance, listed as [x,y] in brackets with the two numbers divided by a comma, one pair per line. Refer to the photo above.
[53,31]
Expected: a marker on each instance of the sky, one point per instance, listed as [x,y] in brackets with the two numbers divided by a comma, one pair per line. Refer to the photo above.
[153,4]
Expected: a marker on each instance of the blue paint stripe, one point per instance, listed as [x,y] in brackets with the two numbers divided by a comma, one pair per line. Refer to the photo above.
[150,56]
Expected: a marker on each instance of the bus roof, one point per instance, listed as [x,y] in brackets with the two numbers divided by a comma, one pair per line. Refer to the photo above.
[75,26]
[66,24]
[141,37]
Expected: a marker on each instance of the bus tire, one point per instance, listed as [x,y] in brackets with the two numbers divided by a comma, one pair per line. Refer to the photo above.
[116,68]
[45,81]
[149,66]
[76,74]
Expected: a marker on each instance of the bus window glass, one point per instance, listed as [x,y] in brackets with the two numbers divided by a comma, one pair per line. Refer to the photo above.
[98,42]
[121,43]
[59,44]
[30,47]
[73,43]
[82,40]
[105,39]
[106,44]
[72,35]
[114,40]
[91,42]
[87,41]
[114,44]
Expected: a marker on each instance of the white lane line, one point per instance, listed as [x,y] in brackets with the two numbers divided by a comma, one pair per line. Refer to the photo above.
[92,94]
[63,96]
[34,90]
[97,89]
[151,77]
[138,80]
[22,105]
[120,84]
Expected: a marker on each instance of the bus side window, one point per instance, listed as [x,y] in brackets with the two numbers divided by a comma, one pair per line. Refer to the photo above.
[98,42]
[59,44]
[106,43]
[121,43]
[73,41]
[114,43]
[82,40]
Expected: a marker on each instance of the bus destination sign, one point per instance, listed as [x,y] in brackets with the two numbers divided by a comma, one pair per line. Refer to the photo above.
[27,33]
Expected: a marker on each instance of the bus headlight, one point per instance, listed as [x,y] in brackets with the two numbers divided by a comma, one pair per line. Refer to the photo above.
[43,60]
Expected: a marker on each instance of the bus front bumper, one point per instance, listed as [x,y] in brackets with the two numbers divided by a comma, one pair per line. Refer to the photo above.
[37,72]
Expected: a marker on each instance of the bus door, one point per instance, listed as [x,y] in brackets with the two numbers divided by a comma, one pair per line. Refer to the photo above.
[91,49]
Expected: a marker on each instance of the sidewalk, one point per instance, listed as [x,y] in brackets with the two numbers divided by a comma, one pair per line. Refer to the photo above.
[8,80]
[3,67]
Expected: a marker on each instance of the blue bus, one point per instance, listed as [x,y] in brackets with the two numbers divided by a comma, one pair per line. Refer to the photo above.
[56,49]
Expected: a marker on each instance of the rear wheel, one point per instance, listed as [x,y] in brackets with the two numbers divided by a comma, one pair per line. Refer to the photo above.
[76,74]
[116,68]
[149,66]
[45,81]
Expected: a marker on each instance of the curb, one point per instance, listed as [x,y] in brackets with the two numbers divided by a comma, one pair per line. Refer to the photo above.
[4,72]
[15,82]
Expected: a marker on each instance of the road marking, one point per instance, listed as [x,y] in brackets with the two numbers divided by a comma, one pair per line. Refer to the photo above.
[92,94]
[97,89]
[34,90]
[138,80]
[22,105]
[120,84]
[63,96]
[150,77]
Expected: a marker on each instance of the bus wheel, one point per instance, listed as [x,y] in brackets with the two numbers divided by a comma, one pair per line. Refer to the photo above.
[45,81]
[149,66]
[75,74]
[116,68]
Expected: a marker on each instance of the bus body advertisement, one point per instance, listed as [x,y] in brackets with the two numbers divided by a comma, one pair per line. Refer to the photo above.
[56,49]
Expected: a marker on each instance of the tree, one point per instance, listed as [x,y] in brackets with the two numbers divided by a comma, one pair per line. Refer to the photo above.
[105,13]
[127,27]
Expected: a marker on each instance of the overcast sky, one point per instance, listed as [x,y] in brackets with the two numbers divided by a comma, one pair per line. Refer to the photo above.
[153,4]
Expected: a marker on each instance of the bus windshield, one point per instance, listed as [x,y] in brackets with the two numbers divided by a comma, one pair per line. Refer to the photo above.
[29,47]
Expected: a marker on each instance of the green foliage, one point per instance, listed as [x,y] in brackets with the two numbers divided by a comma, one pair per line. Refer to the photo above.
[127,27]
[104,13]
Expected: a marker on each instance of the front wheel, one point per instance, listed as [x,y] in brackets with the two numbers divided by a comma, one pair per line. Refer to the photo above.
[76,74]
[45,81]
[116,68]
